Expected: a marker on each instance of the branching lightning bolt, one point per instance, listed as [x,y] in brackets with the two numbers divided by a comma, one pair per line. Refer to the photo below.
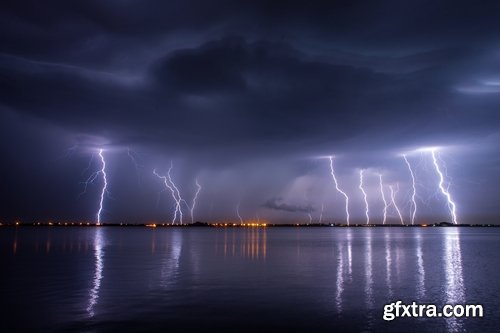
[167,185]
[198,189]
[178,199]
[167,180]
[394,203]
[364,196]
[92,178]
[413,207]
[451,204]
[383,199]
[339,190]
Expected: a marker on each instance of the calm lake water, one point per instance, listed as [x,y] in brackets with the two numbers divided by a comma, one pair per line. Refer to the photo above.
[279,279]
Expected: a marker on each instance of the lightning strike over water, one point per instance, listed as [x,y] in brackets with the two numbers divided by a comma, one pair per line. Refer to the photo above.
[364,196]
[413,207]
[167,180]
[394,203]
[451,204]
[198,186]
[383,199]
[177,197]
[104,188]
[339,190]
[92,178]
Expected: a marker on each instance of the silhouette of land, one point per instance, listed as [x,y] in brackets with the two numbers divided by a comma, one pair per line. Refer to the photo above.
[199,224]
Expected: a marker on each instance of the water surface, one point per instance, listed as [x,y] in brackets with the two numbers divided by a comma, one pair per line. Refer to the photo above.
[244,279]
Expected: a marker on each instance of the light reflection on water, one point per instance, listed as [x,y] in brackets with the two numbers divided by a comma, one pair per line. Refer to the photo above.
[454,288]
[170,260]
[99,266]
[388,264]
[250,244]
[368,271]
[349,253]
[420,268]
[329,276]
[340,277]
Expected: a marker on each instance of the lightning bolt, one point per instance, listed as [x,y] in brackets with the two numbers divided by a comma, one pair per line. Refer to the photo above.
[339,190]
[178,199]
[91,180]
[451,204]
[238,212]
[104,188]
[413,207]
[167,180]
[394,203]
[198,189]
[167,185]
[383,198]
[310,218]
[364,196]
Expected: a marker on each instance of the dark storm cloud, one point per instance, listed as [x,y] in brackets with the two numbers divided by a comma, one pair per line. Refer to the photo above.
[263,90]
[278,204]
[224,83]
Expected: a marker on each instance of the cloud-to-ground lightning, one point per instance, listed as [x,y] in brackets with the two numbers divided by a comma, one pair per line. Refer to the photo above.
[238,212]
[198,189]
[167,185]
[179,200]
[413,207]
[451,204]
[393,201]
[383,199]
[104,188]
[167,180]
[365,197]
[92,178]
[332,172]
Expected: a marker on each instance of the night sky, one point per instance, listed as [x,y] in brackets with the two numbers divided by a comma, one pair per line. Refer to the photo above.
[249,98]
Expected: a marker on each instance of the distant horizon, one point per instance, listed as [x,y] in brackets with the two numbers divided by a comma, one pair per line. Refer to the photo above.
[249,223]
